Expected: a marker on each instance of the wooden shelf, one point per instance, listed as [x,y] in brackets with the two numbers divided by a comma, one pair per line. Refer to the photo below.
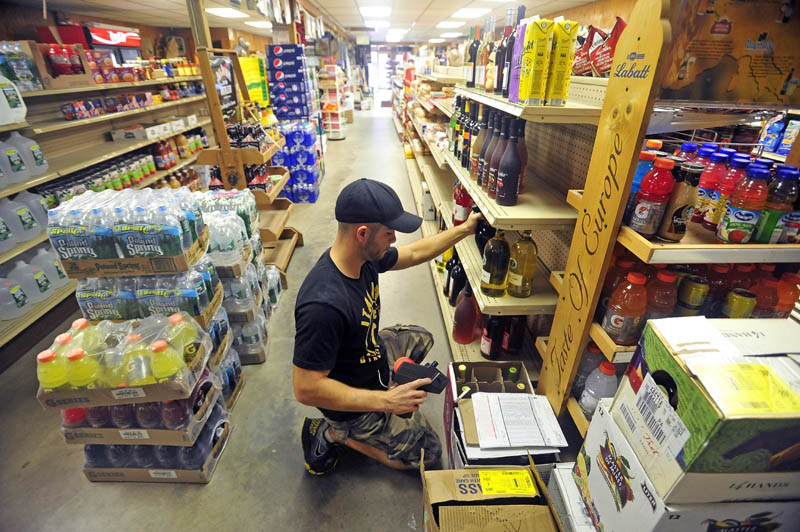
[428,106]
[14,127]
[577,415]
[23,247]
[11,328]
[774,156]
[444,105]
[619,354]
[415,180]
[438,155]
[571,113]
[575,199]
[273,220]
[91,155]
[248,155]
[699,246]
[397,125]
[279,252]
[542,209]
[109,86]
[164,173]
[58,125]
[440,78]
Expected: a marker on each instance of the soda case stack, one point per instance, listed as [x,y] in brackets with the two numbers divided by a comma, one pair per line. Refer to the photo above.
[289,82]
[146,381]
[695,443]
[300,156]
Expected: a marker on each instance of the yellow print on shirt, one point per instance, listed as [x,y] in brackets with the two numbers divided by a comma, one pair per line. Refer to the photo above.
[369,314]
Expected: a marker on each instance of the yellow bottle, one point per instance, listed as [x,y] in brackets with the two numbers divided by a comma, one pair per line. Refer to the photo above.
[51,370]
[138,362]
[83,372]
[182,335]
[85,335]
[542,31]
[167,364]
[62,344]
[522,266]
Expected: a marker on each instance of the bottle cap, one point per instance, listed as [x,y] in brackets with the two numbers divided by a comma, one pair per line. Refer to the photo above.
[48,355]
[135,337]
[720,268]
[706,152]
[63,338]
[666,276]
[594,348]
[745,267]
[710,146]
[176,318]
[689,146]
[770,282]
[608,367]
[654,143]
[647,156]
[719,157]
[740,162]
[625,263]
[637,278]
[766,267]
[512,370]
[667,164]
[75,354]
[765,162]
[80,324]
[730,152]
[786,172]
[756,171]
[158,346]
[520,387]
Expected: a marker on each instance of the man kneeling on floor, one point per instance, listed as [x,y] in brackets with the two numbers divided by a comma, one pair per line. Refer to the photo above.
[342,358]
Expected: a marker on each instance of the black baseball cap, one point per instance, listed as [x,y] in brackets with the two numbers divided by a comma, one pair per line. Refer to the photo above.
[368,201]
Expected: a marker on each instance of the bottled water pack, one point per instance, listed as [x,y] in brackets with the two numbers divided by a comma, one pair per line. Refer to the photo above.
[228,240]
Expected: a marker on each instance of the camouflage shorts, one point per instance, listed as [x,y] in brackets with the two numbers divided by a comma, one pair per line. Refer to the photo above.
[400,438]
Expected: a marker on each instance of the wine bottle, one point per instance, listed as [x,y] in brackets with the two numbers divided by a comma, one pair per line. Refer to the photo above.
[500,53]
[498,126]
[494,274]
[512,39]
[514,335]
[451,133]
[508,171]
[492,337]
[457,128]
[483,234]
[522,266]
[458,278]
[465,318]
[467,69]
[522,148]
[497,155]
[448,268]
[473,56]
[485,146]
[467,134]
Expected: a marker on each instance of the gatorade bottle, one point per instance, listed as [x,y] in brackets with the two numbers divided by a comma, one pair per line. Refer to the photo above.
[167,363]
[652,198]
[646,160]
[617,273]
[86,336]
[718,288]
[122,416]
[706,190]
[688,151]
[51,370]
[138,361]
[703,156]
[730,152]
[719,198]
[182,336]
[62,344]
[83,372]
[662,295]
[781,196]
[626,309]
[788,293]
[73,417]
[744,207]
[766,292]
[741,276]
[98,416]
[710,146]
[764,271]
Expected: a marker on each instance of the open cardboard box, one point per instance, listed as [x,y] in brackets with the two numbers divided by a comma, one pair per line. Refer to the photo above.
[124,267]
[248,315]
[38,52]
[185,436]
[216,359]
[491,499]
[235,270]
[237,392]
[180,388]
[190,476]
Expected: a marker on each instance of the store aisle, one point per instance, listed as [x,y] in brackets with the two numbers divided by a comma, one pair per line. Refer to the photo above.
[260,482]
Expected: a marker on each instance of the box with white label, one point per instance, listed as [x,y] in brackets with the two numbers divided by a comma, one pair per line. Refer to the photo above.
[191,120]
[621,497]
[708,423]
[177,125]
[567,501]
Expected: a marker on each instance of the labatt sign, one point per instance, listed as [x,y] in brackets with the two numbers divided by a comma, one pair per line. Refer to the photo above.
[632,70]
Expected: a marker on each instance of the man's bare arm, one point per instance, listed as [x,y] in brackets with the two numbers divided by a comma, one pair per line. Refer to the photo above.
[427,248]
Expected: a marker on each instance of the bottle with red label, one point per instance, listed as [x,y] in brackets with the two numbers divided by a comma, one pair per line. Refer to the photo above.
[626,310]
[744,207]
[719,198]
[662,295]
[715,170]
[462,205]
[59,61]
[74,59]
[617,273]
[652,198]
[492,337]
[766,291]
[788,293]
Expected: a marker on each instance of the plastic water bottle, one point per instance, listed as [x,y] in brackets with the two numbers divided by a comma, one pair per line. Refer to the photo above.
[590,361]
[20,220]
[198,282]
[31,153]
[12,106]
[36,204]
[13,300]
[601,383]
[33,281]
[252,340]
[144,456]
[7,238]
[18,171]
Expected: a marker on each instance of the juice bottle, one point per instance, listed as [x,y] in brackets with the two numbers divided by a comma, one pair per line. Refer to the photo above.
[83,371]
[710,146]
[646,160]
[652,198]
[718,288]
[182,336]
[662,295]
[138,361]
[730,152]
[788,293]
[688,151]
[706,190]
[626,309]
[764,271]
[86,336]
[166,362]
[766,292]
[741,276]
[62,344]
[719,198]
[681,204]
[744,207]
[465,318]
[703,156]
[617,273]
[51,370]
[781,196]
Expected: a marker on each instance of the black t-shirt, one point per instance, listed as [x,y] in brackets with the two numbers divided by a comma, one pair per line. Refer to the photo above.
[336,326]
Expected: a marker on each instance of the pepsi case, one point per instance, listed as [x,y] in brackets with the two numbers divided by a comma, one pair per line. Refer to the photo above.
[287,75]
[285,51]
[282,98]
[288,86]
[278,63]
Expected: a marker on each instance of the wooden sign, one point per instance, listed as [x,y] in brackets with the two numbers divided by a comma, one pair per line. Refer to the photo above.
[632,89]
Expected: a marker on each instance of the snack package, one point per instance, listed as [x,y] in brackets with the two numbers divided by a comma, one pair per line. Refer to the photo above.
[581,66]
[789,137]
[601,57]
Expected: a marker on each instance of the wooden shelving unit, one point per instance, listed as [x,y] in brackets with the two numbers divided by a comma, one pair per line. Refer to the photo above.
[108,86]
[439,78]
[397,125]
[574,409]
[273,219]
[619,354]
[11,328]
[444,105]
[279,252]
[571,113]
[14,127]
[22,248]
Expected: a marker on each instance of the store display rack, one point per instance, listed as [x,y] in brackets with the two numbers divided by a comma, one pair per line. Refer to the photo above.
[574,409]
[443,105]
[440,78]
[13,127]
[108,86]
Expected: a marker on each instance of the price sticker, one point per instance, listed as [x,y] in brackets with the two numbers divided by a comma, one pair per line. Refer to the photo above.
[507,482]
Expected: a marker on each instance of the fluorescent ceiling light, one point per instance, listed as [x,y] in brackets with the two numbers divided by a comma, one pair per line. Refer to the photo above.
[450,35]
[450,24]
[393,38]
[376,11]
[435,41]
[377,24]
[226,12]
[401,31]
[471,12]
[259,23]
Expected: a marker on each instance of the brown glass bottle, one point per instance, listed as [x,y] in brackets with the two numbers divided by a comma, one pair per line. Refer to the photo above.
[522,149]
[486,157]
[487,140]
[494,274]
[497,155]
[509,170]
[477,143]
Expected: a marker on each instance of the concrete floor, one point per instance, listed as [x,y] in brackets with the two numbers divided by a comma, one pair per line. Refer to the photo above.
[260,482]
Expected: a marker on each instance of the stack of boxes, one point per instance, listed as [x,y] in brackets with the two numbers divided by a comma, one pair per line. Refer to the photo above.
[255,76]
[302,156]
[701,436]
[332,86]
[289,82]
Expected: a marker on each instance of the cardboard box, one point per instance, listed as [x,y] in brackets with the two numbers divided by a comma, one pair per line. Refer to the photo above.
[133,474]
[283,75]
[205,318]
[486,500]
[191,120]
[237,392]
[248,315]
[299,85]
[287,51]
[138,132]
[620,496]
[38,52]
[287,64]
[348,116]
[567,500]
[428,209]
[254,358]
[216,359]
[730,426]
[184,437]
[163,391]
[177,125]
[126,267]
[235,270]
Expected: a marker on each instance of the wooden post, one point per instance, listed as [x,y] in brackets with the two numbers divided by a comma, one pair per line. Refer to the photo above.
[794,154]
[293,25]
[632,89]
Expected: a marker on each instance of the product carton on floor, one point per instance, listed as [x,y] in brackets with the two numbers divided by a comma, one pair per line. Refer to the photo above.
[620,497]
[708,423]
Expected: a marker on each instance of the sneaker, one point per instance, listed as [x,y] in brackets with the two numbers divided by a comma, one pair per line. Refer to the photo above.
[320,455]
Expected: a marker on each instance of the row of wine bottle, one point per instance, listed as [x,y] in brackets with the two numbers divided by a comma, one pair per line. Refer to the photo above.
[490,145]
